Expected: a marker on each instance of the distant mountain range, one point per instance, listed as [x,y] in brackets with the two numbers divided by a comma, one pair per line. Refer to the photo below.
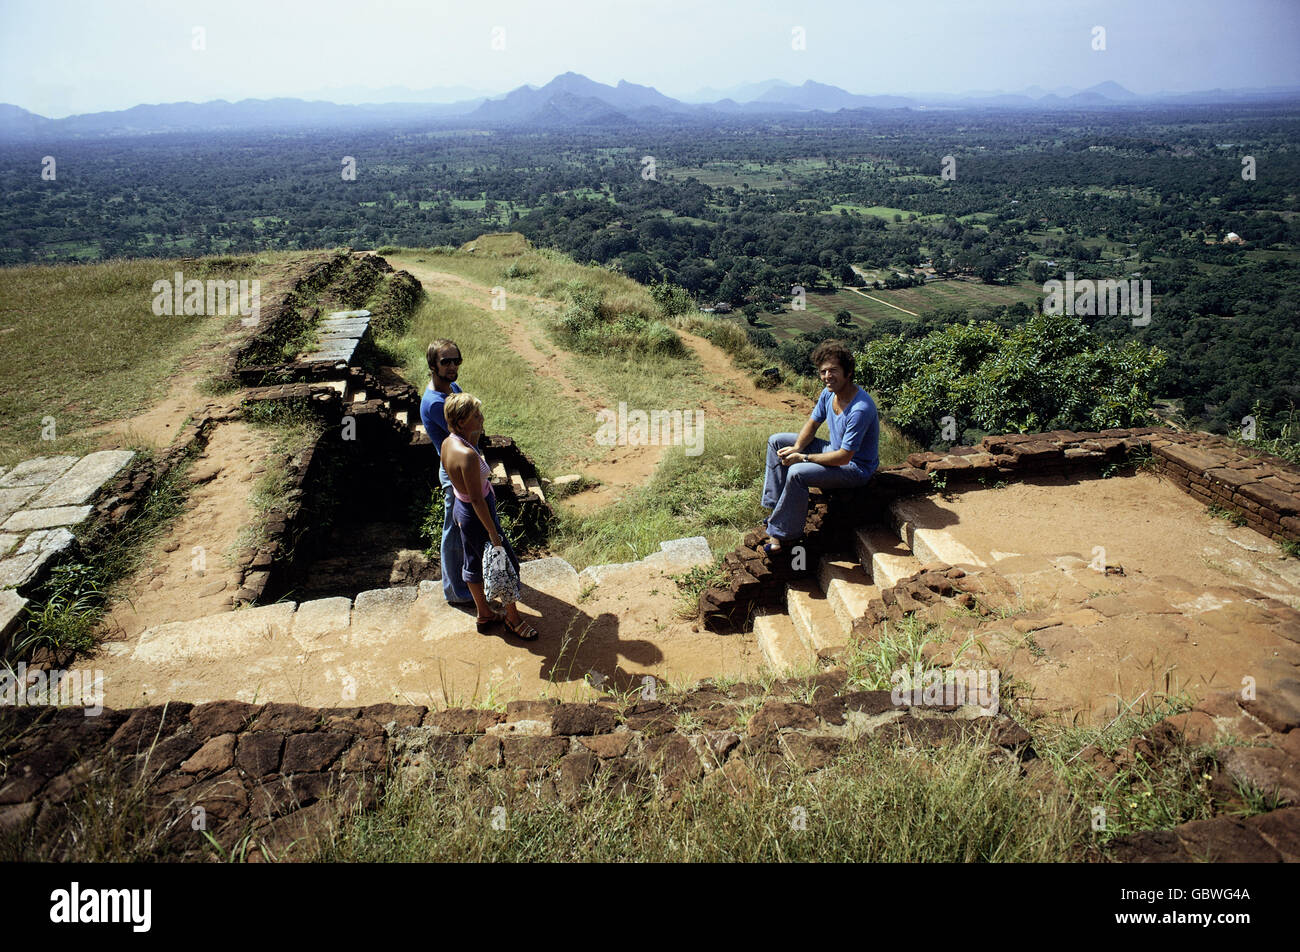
[568,100]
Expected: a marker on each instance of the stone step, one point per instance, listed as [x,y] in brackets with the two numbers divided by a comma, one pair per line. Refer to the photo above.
[929,544]
[848,589]
[499,472]
[517,483]
[400,417]
[785,653]
[886,554]
[359,396]
[534,489]
[814,620]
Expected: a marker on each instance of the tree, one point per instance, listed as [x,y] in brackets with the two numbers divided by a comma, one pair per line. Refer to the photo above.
[843,318]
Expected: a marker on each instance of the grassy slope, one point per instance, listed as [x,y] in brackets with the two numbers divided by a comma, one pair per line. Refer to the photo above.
[81,344]
[714,494]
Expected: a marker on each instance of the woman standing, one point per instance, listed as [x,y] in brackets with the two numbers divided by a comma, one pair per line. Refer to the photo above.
[475,510]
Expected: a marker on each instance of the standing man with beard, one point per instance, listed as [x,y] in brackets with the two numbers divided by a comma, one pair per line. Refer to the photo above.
[444,366]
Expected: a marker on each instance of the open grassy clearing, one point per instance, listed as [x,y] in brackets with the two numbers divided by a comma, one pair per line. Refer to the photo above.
[885,212]
[83,347]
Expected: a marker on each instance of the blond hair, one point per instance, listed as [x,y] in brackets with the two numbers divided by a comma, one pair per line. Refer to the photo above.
[459,408]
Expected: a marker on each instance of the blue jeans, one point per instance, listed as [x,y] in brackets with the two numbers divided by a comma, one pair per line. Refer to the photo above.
[454,588]
[785,488]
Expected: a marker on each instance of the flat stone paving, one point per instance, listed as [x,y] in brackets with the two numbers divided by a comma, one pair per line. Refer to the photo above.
[41,499]
[407,645]
[338,336]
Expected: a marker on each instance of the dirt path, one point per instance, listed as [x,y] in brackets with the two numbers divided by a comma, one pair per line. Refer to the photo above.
[622,468]
[190,573]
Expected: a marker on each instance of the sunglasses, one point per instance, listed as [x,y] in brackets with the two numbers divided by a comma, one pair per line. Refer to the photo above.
[450,360]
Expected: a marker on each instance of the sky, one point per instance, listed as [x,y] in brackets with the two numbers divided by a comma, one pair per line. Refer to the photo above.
[61,57]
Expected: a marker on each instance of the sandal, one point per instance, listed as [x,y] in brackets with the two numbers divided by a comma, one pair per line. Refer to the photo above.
[785,544]
[484,625]
[524,631]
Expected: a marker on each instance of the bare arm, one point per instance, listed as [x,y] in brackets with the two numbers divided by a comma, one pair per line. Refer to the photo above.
[803,439]
[795,454]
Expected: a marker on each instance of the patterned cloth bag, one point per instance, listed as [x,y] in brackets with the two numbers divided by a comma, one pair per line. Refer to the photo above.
[500,580]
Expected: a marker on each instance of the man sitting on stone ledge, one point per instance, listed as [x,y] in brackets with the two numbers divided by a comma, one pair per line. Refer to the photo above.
[796,461]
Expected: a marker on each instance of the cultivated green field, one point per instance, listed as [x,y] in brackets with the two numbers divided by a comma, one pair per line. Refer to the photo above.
[823,306]
[737,174]
[965,293]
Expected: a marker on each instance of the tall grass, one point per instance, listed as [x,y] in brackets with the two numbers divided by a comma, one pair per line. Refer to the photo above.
[515,400]
[1141,795]
[874,804]
[715,494]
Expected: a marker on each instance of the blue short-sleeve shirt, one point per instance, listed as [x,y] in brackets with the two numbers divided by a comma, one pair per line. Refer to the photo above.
[433,417]
[856,429]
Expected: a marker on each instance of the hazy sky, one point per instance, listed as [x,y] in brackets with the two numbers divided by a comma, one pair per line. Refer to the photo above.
[59,57]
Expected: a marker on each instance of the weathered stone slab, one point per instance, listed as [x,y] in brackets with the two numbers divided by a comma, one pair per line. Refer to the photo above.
[26,519]
[46,541]
[553,576]
[36,550]
[1197,461]
[11,612]
[7,541]
[321,616]
[11,500]
[681,554]
[216,637]
[383,608]
[40,471]
[332,337]
[595,574]
[18,569]
[336,314]
[83,480]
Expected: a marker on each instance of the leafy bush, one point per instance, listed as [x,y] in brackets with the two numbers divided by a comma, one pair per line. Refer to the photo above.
[672,300]
[591,325]
[1049,373]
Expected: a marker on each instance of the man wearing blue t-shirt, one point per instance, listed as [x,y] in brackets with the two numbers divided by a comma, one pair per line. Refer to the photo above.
[796,461]
[444,366]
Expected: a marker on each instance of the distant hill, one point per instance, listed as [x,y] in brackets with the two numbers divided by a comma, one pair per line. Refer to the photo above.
[570,99]
[813,95]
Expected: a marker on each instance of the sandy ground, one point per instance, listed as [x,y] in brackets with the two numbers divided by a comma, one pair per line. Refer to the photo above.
[1200,605]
